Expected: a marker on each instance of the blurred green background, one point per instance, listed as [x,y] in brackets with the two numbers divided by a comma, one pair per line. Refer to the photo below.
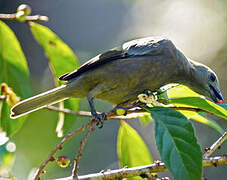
[197,27]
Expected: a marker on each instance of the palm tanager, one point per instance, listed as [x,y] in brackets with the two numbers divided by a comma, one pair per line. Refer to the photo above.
[121,74]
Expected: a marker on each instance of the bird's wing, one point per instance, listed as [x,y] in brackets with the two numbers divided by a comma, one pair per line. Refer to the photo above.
[148,46]
[93,63]
[138,47]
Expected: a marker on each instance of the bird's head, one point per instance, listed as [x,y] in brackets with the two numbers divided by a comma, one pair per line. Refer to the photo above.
[205,82]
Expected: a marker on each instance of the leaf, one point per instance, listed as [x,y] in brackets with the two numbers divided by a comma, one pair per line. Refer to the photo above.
[14,72]
[201,103]
[178,91]
[202,118]
[61,60]
[182,96]
[177,144]
[59,54]
[10,126]
[14,69]
[222,105]
[182,91]
[131,149]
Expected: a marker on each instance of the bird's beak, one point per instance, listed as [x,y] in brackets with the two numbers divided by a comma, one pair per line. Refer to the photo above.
[216,94]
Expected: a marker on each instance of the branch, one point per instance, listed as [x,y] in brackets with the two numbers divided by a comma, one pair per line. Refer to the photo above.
[131,113]
[27,18]
[59,147]
[142,170]
[215,146]
[79,154]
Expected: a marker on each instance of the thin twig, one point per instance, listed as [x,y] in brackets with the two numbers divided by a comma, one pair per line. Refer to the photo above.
[215,146]
[131,113]
[27,18]
[68,111]
[141,170]
[59,146]
[79,154]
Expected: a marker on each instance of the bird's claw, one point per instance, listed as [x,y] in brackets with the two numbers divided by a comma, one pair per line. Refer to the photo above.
[99,118]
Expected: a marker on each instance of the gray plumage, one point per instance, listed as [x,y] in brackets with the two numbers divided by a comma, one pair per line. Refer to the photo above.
[120,75]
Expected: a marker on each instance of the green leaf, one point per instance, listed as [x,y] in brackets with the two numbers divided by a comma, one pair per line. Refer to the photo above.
[14,72]
[59,54]
[131,149]
[177,144]
[181,91]
[222,105]
[175,91]
[202,118]
[14,69]
[61,60]
[182,96]
[201,103]
[10,126]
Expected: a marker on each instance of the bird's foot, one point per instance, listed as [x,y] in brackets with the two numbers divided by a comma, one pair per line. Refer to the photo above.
[99,118]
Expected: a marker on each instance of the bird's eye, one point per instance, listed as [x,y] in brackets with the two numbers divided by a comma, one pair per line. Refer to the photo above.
[212,77]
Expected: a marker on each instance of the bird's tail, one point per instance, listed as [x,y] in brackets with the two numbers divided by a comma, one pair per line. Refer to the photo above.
[39,101]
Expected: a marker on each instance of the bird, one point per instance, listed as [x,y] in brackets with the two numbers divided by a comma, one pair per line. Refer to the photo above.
[119,75]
